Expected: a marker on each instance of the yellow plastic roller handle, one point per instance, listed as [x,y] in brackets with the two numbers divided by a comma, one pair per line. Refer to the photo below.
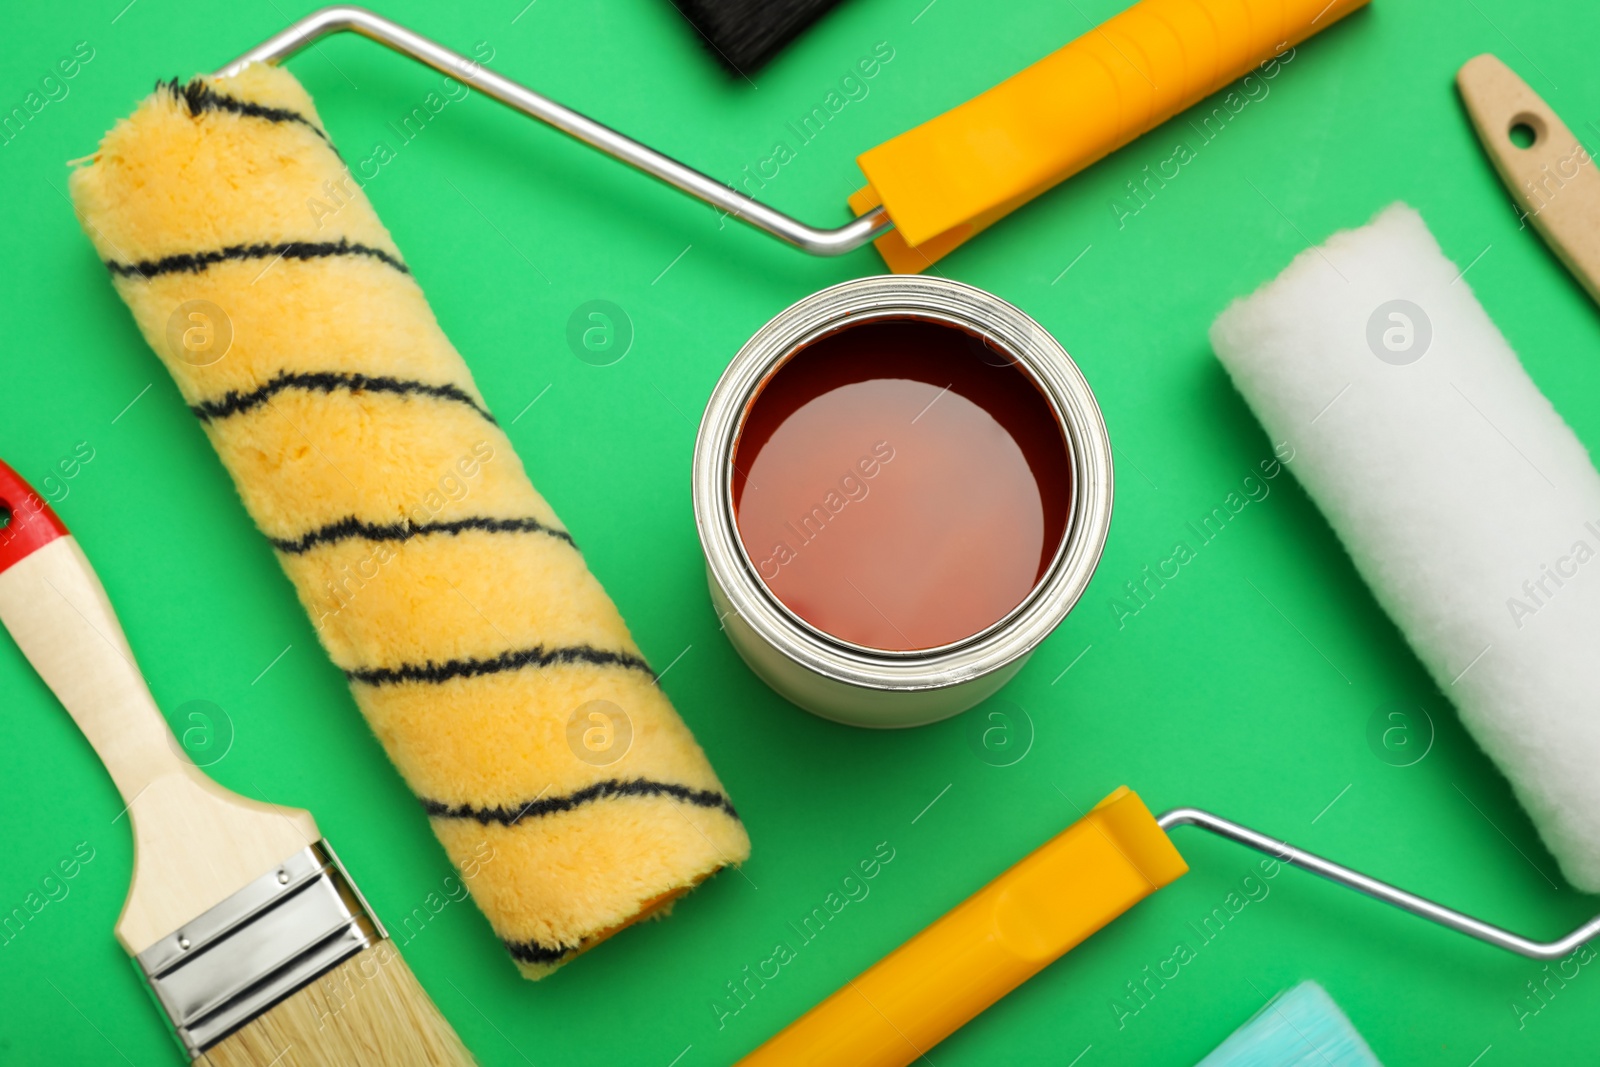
[952,176]
[995,940]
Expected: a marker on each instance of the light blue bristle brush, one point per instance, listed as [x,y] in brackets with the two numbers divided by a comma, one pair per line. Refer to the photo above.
[1300,1028]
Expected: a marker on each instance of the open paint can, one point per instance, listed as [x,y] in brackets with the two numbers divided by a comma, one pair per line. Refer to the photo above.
[902,485]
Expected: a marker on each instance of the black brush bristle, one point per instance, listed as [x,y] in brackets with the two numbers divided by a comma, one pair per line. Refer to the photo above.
[744,34]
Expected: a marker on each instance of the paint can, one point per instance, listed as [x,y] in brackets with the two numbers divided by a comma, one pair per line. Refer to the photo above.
[864,355]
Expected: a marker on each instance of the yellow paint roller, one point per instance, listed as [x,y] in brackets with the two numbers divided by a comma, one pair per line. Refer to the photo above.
[490,663]
[933,187]
[894,1012]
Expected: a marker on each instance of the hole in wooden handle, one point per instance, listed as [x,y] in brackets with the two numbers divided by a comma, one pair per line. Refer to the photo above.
[1526,129]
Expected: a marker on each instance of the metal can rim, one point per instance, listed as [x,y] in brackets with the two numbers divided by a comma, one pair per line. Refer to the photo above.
[887,296]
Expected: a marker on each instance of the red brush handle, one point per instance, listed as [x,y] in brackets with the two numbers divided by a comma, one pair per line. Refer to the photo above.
[26,522]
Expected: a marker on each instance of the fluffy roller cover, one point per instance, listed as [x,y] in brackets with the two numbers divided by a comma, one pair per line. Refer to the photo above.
[489,662]
[1468,505]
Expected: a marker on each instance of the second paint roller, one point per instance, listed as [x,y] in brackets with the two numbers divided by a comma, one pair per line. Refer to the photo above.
[1045,905]
[1465,501]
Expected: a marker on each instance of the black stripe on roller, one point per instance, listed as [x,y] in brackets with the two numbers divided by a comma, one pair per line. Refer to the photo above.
[195,262]
[514,660]
[234,402]
[350,527]
[613,787]
[535,952]
[200,97]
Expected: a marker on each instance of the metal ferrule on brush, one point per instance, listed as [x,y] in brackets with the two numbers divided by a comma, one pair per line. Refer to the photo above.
[272,938]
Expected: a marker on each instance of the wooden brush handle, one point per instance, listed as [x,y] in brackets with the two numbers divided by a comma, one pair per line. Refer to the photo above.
[1552,178]
[57,611]
[195,842]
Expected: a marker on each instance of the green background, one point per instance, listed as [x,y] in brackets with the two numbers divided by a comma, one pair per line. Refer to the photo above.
[1247,686]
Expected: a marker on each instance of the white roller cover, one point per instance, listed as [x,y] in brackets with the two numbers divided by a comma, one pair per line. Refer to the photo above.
[1468,505]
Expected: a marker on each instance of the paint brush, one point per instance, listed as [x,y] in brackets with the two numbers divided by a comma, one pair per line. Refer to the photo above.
[1300,1028]
[251,936]
[744,34]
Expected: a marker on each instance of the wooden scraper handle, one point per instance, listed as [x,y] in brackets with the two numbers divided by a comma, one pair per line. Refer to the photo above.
[1551,176]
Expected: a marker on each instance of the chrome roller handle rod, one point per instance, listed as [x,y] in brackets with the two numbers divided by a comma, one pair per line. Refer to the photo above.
[331,20]
[1372,887]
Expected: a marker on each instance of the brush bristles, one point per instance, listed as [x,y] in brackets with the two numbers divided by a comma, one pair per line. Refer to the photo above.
[744,34]
[369,1010]
[1300,1028]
